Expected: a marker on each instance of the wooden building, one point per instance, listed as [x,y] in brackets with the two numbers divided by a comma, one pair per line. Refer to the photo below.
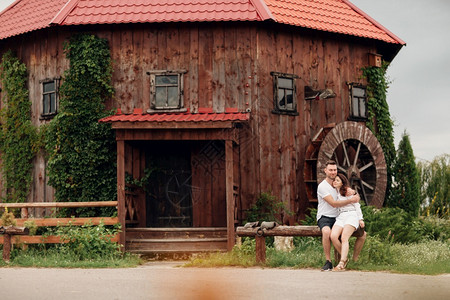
[223,100]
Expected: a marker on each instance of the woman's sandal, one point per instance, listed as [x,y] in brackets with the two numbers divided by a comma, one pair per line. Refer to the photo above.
[341,266]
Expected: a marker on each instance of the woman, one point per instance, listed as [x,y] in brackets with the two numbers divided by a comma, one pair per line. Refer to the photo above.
[349,219]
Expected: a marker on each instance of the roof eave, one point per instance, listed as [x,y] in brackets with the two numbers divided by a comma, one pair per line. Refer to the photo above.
[374,22]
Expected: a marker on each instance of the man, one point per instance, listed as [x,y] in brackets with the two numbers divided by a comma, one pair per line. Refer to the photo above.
[327,211]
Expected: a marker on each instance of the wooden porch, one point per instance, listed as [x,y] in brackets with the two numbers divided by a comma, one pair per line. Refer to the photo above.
[213,216]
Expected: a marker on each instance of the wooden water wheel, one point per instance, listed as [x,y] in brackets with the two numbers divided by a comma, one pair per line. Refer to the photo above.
[358,155]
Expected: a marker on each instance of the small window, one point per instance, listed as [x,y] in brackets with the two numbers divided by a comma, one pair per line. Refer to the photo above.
[358,102]
[284,93]
[166,90]
[49,97]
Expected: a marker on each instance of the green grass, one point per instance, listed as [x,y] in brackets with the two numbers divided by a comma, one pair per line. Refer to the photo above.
[428,257]
[52,258]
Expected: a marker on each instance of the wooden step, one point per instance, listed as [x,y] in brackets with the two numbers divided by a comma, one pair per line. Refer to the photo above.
[176,240]
[164,233]
[176,245]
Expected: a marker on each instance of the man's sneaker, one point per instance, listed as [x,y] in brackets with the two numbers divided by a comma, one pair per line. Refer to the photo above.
[328,266]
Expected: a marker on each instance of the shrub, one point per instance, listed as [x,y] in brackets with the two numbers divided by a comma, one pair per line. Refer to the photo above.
[87,242]
[267,208]
[8,218]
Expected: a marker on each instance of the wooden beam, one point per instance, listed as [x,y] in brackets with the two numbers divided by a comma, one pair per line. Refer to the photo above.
[172,125]
[180,135]
[39,239]
[229,182]
[14,230]
[59,204]
[66,221]
[281,231]
[121,190]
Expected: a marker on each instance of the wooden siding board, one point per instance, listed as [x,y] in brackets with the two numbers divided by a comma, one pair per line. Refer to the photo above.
[184,60]
[218,70]
[232,72]
[205,76]
[265,107]
[285,123]
[330,63]
[193,73]
[343,58]
[229,181]
[138,42]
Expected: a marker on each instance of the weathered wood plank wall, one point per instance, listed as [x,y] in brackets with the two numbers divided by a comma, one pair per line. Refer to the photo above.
[228,65]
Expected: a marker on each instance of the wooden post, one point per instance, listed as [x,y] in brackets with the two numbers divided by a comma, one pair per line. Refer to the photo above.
[7,232]
[121,213]
[260,249]
[229,180]
[6,246]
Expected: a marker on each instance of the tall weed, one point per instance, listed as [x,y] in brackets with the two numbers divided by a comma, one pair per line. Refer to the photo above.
[87,241]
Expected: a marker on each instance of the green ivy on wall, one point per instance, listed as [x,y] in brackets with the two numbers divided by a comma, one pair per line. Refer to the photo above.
[81,163]
[18,137]
[379,119]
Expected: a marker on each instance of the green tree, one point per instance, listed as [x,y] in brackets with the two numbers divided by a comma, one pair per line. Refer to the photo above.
[435,186]
[18,137]
[81,165]
[406,191]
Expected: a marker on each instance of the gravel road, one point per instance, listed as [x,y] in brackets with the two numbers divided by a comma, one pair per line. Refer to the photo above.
[167,280]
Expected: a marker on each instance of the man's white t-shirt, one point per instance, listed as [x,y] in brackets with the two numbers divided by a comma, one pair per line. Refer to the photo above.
[323,208]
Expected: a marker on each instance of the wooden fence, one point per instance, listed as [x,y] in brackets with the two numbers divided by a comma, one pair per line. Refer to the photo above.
[37,239]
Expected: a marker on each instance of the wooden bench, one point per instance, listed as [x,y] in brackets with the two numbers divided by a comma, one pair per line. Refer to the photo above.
[36,239]
[260,235]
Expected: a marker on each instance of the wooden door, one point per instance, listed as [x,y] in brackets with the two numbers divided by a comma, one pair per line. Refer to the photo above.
[169,196]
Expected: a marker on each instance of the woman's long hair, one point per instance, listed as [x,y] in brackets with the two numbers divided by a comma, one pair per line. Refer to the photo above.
[345,184]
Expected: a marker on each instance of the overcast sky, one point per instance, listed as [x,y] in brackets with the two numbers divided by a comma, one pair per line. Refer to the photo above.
[419,95]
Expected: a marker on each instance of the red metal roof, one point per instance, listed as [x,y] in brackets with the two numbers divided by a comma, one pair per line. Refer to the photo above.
[28,15]
[339,16]
[204,115]
[143,11]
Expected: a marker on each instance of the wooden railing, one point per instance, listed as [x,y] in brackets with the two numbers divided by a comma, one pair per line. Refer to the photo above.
[36,239]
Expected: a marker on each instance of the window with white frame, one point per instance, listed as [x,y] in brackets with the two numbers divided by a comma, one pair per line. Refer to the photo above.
[166,90]
[284,92]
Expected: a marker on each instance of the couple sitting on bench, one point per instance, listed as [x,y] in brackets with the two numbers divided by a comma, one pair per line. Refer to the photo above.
[339,216]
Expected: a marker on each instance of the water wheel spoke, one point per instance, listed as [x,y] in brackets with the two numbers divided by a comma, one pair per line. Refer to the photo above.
[367,185]
[356,156]
[176,181]
[366,166]
[346,159]
[186,182]
[363,191]
[343,170]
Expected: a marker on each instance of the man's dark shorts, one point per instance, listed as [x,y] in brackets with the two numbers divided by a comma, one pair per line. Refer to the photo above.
[326,221]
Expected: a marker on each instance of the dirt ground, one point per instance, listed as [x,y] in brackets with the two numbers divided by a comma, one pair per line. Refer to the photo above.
[167,280]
